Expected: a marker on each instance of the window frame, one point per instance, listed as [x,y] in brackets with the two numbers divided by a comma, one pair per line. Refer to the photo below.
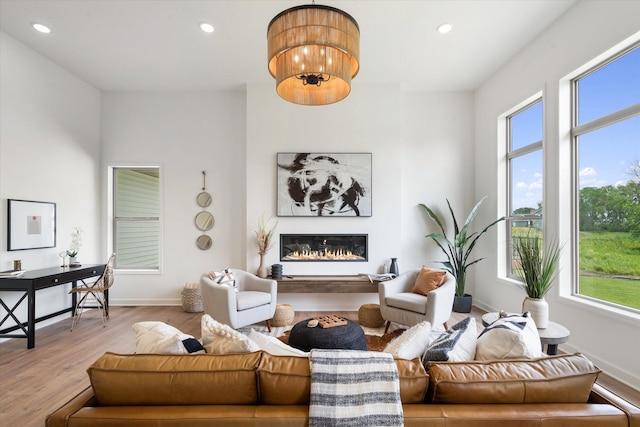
[510,155]
[111,219]
[575,132]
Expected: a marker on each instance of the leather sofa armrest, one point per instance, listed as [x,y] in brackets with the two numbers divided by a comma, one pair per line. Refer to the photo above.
[60,417]
[599,394]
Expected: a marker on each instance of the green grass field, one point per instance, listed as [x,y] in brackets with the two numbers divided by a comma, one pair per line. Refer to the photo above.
[602,256]
[619,291]
[605,254]
[610,253]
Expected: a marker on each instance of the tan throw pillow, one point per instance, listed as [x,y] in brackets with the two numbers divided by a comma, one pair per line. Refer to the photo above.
[428,280]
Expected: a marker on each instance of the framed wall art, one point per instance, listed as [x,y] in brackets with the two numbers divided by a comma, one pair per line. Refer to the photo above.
[30,225]
[324,184]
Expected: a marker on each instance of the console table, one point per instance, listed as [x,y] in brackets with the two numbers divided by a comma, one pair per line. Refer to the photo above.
[34,280]
[326,284]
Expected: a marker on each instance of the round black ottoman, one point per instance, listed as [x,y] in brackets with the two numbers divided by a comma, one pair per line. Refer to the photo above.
[344,337]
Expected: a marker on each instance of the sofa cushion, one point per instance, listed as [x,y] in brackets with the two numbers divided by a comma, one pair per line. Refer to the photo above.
[456,344]
[250,299]
[286,380]
[160,338]
[218,338]
[510,337]
[411,343]
[408,301]
[153,379]
[555,379]
[428,280]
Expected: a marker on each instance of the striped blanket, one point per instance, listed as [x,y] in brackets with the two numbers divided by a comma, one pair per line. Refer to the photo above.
[354,388]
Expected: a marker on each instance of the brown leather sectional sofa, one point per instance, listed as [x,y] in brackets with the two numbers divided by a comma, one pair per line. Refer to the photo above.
[259,389]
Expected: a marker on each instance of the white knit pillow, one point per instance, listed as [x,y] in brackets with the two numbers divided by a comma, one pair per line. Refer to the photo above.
[411,343]
[160,338]
[218,338]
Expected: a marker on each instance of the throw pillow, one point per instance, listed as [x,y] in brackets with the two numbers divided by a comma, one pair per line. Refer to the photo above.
[510,337]
[411,343]
[160,338]
[224,277]
[428,280]
[274,346]
[218,338]
[456,344]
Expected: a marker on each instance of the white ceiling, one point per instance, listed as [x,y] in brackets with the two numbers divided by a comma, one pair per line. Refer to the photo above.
[157,44]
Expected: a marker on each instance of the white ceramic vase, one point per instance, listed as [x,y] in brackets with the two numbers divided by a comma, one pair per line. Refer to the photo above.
[539,309]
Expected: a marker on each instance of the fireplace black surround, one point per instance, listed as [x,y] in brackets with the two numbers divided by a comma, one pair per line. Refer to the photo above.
[324,247]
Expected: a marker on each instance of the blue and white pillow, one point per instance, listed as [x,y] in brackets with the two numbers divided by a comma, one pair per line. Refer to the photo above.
[456,344]
[224,277]
[510,337]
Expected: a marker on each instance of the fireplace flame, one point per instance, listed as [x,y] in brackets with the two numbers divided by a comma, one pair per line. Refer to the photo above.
[322,255]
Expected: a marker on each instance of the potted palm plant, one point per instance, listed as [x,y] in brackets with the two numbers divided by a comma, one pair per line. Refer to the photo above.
[458,250]
[537,269]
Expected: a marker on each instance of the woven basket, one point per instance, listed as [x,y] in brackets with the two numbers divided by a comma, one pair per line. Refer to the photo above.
[283,316]
[369,316]
[191,298]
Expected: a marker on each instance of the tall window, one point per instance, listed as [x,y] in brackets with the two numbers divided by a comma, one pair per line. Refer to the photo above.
[136,218]
[606,144]
[524,162]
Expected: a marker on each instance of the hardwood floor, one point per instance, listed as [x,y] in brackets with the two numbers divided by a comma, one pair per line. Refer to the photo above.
[33,383]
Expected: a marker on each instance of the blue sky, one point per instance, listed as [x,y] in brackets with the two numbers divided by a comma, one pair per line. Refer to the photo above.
[605,154]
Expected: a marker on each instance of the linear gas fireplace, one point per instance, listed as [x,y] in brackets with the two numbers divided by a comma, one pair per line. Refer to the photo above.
[324,247]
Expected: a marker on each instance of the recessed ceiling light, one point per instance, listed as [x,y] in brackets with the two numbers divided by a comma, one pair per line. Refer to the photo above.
[444,28]
[41,28]
[207,28]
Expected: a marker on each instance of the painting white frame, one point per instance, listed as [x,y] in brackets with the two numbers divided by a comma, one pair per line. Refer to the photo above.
[31,225]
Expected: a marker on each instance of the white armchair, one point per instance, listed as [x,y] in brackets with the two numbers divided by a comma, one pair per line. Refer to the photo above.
[400,305]
[255,300]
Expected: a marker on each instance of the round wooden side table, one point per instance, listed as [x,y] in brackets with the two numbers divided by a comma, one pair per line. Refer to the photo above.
[551,336]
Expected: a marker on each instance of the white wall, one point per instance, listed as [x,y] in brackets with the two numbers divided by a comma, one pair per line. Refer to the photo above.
[49,151]
[583,33]
[185,133]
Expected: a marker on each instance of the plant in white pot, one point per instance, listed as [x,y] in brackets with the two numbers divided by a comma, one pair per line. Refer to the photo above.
[458,250]
[537,269]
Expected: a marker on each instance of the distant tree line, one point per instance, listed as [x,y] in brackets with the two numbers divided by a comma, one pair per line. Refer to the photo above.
[612,208]
[609,208]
